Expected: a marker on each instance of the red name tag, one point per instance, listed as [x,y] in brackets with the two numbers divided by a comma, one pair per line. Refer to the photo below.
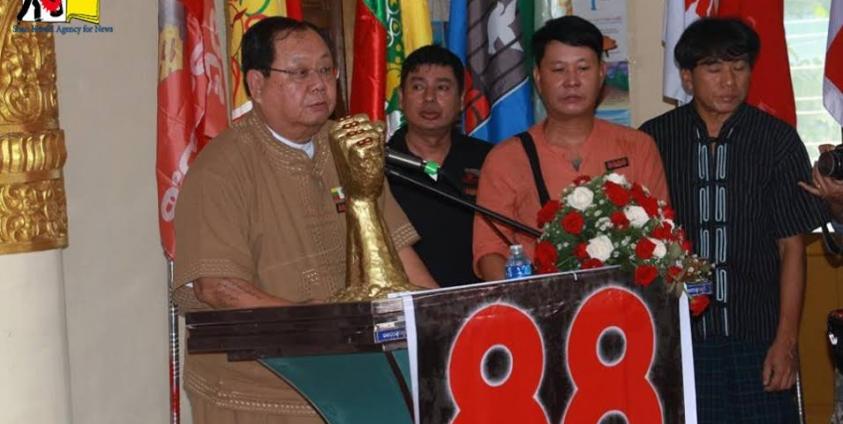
[618,163]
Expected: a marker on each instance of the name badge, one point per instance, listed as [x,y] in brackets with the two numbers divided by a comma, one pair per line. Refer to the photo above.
[618,163]
[470,180]
[339,198]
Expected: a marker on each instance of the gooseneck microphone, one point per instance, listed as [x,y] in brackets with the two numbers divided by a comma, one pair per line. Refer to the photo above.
[429,167]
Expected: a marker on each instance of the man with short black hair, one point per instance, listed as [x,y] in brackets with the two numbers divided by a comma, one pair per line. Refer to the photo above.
[569,73]
[430,97]
[733,172]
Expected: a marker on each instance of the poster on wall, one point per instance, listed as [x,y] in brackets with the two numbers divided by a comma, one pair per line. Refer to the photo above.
[611,18]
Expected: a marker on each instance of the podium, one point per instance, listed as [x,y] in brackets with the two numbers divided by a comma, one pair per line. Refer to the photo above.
[559,348]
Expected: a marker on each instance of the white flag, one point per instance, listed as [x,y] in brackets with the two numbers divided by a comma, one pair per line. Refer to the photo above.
[678,15]
[833,81]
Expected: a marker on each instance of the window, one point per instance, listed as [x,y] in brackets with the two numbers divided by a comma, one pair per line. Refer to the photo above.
[806,29]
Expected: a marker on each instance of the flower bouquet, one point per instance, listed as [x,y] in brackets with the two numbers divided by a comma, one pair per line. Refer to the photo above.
[609,221]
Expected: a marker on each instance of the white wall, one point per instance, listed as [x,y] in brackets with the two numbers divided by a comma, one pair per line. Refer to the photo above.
[645,59]
[114,270]
[34,366]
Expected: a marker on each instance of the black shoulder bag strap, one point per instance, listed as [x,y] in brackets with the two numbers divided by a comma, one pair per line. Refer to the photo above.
[533,156]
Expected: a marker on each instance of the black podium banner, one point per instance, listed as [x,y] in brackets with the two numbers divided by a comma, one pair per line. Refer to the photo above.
[557,349]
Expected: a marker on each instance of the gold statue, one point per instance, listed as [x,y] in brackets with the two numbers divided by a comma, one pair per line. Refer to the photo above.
[373,268]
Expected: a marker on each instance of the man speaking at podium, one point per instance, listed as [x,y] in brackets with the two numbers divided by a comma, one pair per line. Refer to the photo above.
[260,219]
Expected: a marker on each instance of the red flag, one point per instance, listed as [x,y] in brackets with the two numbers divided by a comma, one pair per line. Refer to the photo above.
[369,75]
[294,9]
[771,89]
[833,81]
[191,98]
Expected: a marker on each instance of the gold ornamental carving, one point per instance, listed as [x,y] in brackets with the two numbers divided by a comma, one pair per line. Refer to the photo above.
[373,268]
[33,211]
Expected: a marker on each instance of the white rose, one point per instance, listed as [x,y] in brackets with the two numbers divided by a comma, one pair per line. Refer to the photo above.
[600,248]
[617,179]
[581,198]
[636,215]
[660,249]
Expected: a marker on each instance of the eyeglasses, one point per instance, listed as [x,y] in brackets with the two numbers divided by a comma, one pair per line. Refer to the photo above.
[302,75]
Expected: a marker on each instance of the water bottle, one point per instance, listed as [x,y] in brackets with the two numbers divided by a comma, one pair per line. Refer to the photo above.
[518,264]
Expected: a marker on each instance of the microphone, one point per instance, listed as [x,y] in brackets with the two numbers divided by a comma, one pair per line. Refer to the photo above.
[429,167]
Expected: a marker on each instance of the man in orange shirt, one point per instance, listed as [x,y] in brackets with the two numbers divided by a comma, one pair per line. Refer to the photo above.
[571,142]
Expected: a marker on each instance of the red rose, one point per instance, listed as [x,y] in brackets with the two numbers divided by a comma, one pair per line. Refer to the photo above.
[662,232]
[645,274]
[673,273]
[582,179]
[637,193]
[573,222]
[650,205]
[686,246]
[619,220]
[580,252]
[698,304]
[545,256]
[616,194]
[547,212]
[669,213]
[644,248]
[591,263]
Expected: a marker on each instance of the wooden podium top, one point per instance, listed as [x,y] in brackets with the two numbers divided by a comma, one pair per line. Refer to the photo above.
[247,334]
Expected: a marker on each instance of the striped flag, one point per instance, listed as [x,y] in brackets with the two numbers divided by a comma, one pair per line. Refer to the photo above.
[678,15]
[191,98]
[833,81]
[379,54]
[492,38]
[240,15]
[771,89]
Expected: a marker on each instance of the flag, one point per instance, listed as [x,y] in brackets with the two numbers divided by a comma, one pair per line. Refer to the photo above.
[771,89]
[492,38]
[416,25]
[833,81]
[678,15]
[379,54]
[416,31]
[240,15]
[191,98]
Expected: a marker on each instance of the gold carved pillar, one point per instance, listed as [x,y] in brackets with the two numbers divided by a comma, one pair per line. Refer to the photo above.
[35,385]
[33,212]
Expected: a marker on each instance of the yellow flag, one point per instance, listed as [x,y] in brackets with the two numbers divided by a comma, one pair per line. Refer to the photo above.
[240,15]
[415,22]
[86,10]
[416,32]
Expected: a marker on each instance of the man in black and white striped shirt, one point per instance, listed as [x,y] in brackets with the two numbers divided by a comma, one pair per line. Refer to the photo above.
[733,173]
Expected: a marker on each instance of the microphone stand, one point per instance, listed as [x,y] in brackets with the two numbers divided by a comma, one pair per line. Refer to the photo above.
[477,208]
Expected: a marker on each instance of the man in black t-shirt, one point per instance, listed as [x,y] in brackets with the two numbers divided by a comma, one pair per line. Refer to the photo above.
[733,173]
[431,98]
